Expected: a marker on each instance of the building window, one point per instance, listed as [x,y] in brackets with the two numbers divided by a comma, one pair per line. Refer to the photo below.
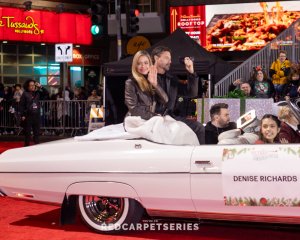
[9,59]
[25,70]
[21,62]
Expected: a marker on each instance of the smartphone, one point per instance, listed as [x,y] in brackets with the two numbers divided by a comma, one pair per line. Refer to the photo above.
[246,119]
[181,59]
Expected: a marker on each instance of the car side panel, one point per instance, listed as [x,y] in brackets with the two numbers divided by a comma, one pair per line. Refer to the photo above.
[159,174]
[207,190]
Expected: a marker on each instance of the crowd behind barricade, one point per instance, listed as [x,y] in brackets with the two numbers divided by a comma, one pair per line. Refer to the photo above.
[55,113]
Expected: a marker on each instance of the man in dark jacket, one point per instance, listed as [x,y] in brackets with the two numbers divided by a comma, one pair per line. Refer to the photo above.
[30,110]
[161,57]
[220,122]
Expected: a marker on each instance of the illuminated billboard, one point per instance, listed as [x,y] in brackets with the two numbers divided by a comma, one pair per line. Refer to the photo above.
[245,26]
[191,19]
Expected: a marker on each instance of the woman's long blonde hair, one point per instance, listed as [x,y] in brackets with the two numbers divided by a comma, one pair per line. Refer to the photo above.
[141,80]
[284,113]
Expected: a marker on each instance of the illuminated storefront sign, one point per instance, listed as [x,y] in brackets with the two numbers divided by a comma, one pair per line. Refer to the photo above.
[86,57]
[191,19]
[44,26]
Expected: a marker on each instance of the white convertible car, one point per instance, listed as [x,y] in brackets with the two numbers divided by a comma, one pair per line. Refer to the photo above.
[113,182]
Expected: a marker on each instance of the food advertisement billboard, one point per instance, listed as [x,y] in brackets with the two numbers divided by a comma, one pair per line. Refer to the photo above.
[245,26]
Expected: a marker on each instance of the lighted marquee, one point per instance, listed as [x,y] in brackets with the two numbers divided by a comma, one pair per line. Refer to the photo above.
[191,19]
[44,26]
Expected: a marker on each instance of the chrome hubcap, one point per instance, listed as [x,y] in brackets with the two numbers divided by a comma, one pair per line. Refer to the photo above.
[103,210]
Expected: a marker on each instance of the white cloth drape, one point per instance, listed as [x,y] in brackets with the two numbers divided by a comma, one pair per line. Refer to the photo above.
[157,129]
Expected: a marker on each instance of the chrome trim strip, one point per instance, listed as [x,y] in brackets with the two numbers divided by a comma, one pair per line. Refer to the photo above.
[225,216]
[99,172]
[114,172]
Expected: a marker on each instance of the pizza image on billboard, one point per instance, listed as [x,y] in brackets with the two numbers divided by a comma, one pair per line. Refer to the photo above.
[248,31]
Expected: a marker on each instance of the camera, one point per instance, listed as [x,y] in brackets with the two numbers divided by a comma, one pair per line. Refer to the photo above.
[181,59]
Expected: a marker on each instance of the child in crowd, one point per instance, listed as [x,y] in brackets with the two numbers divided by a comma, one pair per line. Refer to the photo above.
[291,89]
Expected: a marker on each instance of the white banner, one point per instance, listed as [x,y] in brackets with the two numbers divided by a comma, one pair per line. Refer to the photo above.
[262,175]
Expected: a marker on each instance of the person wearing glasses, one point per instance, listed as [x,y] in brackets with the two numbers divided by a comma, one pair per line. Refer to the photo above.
[279,72]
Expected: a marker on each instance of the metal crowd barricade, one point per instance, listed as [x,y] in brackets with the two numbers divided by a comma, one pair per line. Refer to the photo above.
[72,119]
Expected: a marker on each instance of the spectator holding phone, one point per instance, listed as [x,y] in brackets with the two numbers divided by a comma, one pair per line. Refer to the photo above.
[245,87]
[30,109]
[161,57]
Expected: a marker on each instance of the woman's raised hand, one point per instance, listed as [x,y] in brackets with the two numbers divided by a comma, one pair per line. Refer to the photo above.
[152,76]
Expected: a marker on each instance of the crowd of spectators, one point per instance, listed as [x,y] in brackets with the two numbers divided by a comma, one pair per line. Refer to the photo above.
[10,96]
[282,83]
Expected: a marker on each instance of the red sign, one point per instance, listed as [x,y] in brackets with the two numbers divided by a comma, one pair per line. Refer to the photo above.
[44,26]
[191,19]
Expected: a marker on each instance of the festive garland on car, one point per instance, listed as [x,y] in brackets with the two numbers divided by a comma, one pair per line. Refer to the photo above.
[250,201]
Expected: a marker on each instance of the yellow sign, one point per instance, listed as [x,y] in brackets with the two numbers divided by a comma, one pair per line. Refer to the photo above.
[96,113]
[137,43]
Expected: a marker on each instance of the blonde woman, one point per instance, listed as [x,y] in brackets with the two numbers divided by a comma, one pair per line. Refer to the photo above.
[289,126]
[142,90]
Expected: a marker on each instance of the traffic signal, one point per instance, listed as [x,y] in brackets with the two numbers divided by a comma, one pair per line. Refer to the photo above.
[133,22]
[99,12]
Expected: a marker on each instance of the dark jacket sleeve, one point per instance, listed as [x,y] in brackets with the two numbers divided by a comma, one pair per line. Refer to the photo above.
[231,87]
[287,71]
[162,97]
[286,90]
[23,104]
[272,89]
[286,132]
[134,104]
[271,73]
[193,85]
[43,92]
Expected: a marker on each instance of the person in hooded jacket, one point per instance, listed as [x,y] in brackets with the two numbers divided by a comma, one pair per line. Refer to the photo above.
[291,89]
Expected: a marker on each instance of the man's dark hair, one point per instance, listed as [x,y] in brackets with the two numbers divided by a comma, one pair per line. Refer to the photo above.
[26,84]
[216,109]
[158,51]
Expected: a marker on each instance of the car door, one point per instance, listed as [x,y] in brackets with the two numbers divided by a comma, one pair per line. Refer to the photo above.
[206,178]
[275,171]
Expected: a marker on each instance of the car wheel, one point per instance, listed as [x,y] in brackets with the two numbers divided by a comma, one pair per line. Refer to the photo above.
[108,214]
